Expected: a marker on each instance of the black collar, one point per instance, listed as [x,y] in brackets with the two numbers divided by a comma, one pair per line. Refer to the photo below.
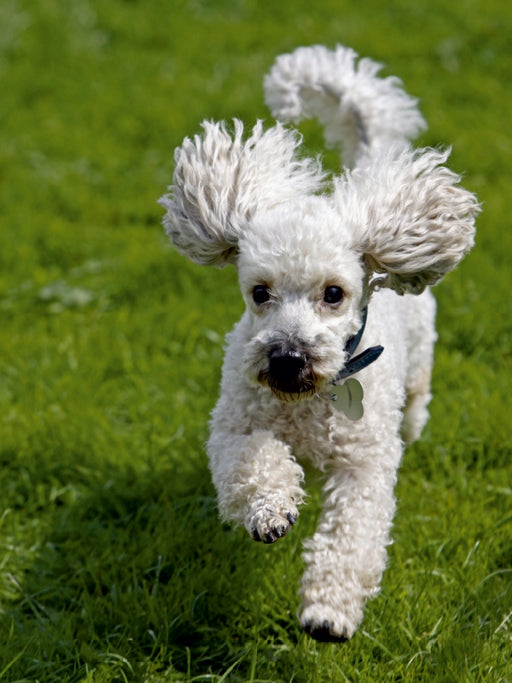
[362,360]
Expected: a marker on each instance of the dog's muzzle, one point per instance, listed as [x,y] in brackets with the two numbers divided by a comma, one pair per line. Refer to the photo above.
[289,373]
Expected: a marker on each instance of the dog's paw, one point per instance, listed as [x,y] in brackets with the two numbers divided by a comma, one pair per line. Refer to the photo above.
[325,625]
[269,526]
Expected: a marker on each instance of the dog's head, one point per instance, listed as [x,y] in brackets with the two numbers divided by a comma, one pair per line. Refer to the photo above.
[302,283]
[306,259]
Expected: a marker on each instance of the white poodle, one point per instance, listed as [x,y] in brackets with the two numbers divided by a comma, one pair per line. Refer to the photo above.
[331,360]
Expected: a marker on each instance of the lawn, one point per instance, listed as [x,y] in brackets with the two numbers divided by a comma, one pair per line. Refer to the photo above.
[113,563]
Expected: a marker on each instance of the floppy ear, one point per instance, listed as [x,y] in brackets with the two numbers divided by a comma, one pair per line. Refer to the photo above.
[220,182]
[410,218]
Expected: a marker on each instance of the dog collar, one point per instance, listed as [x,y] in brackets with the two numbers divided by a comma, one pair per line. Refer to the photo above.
[348,396]
[362,360]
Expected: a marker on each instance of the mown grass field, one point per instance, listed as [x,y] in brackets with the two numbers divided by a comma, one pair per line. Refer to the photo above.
[113,563]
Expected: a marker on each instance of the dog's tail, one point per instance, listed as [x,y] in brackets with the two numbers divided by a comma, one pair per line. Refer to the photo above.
[360,112]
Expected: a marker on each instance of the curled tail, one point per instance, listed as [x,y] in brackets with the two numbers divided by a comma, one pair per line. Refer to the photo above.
[360,112]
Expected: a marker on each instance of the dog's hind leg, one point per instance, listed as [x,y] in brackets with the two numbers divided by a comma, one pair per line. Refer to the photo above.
[421,338]
[416,408]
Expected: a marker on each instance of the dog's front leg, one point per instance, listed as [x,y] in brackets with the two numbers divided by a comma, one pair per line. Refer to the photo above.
[258,482]
[347,554]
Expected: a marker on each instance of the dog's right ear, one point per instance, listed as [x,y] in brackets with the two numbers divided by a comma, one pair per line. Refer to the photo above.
[221,181]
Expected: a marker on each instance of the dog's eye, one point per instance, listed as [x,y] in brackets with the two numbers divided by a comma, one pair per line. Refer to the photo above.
[260,294]
[333,295]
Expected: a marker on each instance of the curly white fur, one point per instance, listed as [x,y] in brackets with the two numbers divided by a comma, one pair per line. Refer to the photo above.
[308,262]
[360,111]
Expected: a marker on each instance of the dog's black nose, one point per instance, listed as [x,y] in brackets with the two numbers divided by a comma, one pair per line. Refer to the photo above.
[286,365]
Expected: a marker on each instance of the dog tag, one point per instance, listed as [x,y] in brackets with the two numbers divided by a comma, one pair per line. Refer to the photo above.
[348,397]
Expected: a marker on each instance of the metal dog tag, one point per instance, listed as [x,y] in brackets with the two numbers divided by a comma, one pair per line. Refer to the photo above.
[348,397]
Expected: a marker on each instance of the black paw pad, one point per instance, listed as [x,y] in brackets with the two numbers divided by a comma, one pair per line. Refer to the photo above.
[325,633]
[276,532]
[255,535]
[292,518]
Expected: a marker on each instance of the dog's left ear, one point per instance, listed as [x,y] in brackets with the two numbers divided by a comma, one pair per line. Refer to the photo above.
[410,218]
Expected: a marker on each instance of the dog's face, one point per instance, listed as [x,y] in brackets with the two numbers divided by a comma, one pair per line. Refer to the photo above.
[302,284]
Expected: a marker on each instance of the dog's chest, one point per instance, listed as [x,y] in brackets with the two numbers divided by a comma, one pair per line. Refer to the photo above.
[312,429]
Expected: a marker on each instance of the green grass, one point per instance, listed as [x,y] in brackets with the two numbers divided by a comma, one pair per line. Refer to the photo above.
[113,563]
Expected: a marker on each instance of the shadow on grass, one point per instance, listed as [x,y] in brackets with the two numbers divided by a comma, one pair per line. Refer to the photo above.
[133,573]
